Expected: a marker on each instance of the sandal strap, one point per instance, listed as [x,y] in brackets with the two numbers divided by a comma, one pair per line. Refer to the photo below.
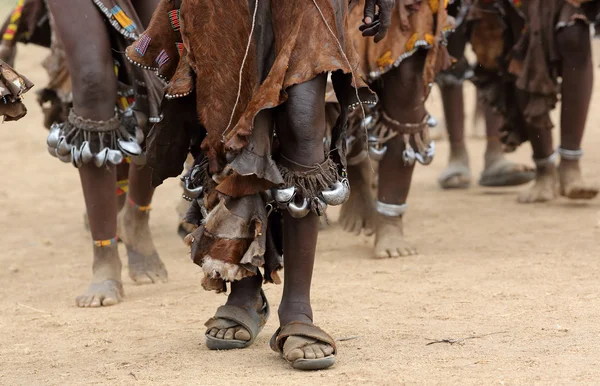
[228,316]
[304,329]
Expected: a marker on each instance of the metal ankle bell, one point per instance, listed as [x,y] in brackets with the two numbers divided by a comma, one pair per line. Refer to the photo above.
[431,121]
[52,151]
[63,148]
[64,158]
[376,153]
[130,147]
[53,137]
[319,206]
[338,194]
[409,156]
[299,211]
[101,158]
[75,157]
[284,196]
[115,157]
[86,152]
[192,192]
[428,158]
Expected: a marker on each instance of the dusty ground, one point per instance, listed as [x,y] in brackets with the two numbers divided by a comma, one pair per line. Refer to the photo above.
[488,265]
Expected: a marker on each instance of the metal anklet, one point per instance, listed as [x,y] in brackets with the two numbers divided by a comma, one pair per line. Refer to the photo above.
[571,155]
[390,210]
[542,162]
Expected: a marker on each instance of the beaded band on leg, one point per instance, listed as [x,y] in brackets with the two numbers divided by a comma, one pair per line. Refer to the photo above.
[105,243]
[142,208]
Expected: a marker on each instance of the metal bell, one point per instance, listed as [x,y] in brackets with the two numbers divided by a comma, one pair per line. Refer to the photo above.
[115,157]
[63,148]
[53,137]
[319,206]
[299,211]
[52,151]
[64,158]
[101,157]
[131,147]
[75,157]
[86,152]
[377,154]
[190,191]
[428,157]
[409,156]
[338,194]
[284,196]
[431,121]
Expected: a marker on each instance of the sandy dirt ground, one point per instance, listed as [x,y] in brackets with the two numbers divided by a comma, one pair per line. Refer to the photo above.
[526,275]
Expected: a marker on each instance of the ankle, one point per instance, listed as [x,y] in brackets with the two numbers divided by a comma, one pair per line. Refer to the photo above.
[107,263]
[290,311]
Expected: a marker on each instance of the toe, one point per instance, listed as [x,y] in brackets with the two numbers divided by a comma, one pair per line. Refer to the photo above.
[381,254]
[150,278]
[309,353]
[318,351]
[96,301]
[229,334]
[80,301]
[326,349]
[393,252]
[213,332]
[110,300]
[87,301]
[402,251]
[220,334]
[242,334]
[295,354]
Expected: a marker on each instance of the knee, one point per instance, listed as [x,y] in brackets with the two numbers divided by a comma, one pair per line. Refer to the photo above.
[94,85]
[574,43]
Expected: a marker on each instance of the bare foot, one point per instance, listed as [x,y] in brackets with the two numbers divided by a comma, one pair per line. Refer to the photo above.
[389,238]
[145,266]
[457,174]
[357,213]
[106,288]
[571,182]
[545,187]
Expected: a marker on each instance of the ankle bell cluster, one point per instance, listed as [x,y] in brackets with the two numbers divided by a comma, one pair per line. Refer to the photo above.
[299,206]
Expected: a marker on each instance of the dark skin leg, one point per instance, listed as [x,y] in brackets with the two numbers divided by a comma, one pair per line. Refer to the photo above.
[498,170]
[145,266]
[577,82]
[90,64]
[301,128]
[457,173]
[403,100]
[545,186]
